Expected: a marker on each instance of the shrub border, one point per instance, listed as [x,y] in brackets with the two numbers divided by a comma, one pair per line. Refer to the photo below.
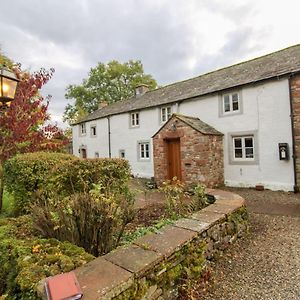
[151,266]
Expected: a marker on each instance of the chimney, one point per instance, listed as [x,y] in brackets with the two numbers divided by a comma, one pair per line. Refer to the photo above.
[102,104]
[141,89]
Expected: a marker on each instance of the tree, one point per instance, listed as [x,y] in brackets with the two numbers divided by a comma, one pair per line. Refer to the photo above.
[110,82]
[22,124]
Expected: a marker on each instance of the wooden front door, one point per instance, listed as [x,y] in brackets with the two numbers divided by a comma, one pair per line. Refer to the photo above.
[173,157]
[83,153]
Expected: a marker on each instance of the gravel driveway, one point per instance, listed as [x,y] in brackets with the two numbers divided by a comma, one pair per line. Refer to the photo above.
[266,263]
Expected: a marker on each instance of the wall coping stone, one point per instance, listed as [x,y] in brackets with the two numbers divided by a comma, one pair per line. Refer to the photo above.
[108,276]
[192,224]
[101,279]
[167,241]
[133,258]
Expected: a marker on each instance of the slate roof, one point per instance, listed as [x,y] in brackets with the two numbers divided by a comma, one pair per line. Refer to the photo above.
[195,123]
[198,125]
[277,64]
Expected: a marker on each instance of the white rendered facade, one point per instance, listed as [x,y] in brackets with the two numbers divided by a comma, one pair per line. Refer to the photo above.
[263,113]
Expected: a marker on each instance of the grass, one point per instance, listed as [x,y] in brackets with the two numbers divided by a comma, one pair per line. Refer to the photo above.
[6,208]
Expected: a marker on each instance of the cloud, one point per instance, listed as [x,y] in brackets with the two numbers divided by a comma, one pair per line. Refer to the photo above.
[174,39]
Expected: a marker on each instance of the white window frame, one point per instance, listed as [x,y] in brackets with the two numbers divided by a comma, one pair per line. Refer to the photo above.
[134,119]
[243,148]
[165,113]
[231,148]
[230,97]
[82,129]
[144,150]
[92,131]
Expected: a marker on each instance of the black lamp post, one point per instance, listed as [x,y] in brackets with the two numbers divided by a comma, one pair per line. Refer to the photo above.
[8,87]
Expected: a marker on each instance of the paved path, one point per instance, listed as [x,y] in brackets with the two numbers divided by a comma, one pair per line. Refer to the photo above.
[265,264]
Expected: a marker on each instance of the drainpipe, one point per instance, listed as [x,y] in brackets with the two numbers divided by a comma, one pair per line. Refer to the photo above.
[109,137]
[296,187]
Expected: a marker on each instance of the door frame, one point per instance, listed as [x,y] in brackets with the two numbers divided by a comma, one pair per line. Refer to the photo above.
[167,143]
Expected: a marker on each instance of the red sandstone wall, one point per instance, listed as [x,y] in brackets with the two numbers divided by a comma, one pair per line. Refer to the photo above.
[201,155]
[295,94]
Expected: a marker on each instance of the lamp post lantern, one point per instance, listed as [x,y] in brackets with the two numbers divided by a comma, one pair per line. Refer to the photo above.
[8,87]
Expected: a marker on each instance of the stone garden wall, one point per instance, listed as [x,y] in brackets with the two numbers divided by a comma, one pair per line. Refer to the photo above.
[151,267]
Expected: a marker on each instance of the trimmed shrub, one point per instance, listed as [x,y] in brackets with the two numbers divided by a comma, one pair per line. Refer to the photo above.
[81,174]
[25,173]
[25,259]
[93,220]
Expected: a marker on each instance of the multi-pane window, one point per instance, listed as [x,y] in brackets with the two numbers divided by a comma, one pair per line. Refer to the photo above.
[83,129]
[243,148]
[144,150]
[165,113]
[135,119]
[231,103]
[93,130]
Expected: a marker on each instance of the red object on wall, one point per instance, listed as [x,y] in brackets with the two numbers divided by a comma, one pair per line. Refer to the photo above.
[63,287]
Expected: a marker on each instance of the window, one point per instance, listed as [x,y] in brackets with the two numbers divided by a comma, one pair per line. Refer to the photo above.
[122,153]
[135,119]
[82,129]
[165,113]
[144,150]
[243,148]
[96,154]
[93,130]
[231,103]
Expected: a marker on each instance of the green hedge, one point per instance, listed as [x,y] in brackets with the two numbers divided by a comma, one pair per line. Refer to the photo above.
[25,173]
[25,259]
[81,174]
[64,173]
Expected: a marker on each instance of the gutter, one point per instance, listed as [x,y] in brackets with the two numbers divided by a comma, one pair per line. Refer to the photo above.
[294,156]
[109,137]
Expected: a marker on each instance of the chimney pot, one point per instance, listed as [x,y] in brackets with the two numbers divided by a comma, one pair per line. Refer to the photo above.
[102,104]
[141,89]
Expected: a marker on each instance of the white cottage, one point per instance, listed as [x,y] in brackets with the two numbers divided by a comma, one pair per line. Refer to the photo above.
[254,104]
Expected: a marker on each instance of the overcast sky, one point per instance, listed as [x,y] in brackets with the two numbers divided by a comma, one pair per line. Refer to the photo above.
[174,39]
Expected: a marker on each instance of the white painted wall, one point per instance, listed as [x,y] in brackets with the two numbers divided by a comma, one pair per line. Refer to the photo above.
[92,144]
[265,109]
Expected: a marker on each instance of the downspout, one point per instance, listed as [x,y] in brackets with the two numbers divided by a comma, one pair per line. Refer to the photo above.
[296,187]
[109,137]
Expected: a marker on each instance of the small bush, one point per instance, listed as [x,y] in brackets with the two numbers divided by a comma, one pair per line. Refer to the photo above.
[25,173]
[25,259]
[174,194]
[94,220]
[199,199]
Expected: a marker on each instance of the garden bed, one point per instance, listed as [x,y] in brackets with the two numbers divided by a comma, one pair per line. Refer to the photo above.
[153,265]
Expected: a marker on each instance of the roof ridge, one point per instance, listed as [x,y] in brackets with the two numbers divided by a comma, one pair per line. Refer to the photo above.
[272,65]
[185,116]
[227,67]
